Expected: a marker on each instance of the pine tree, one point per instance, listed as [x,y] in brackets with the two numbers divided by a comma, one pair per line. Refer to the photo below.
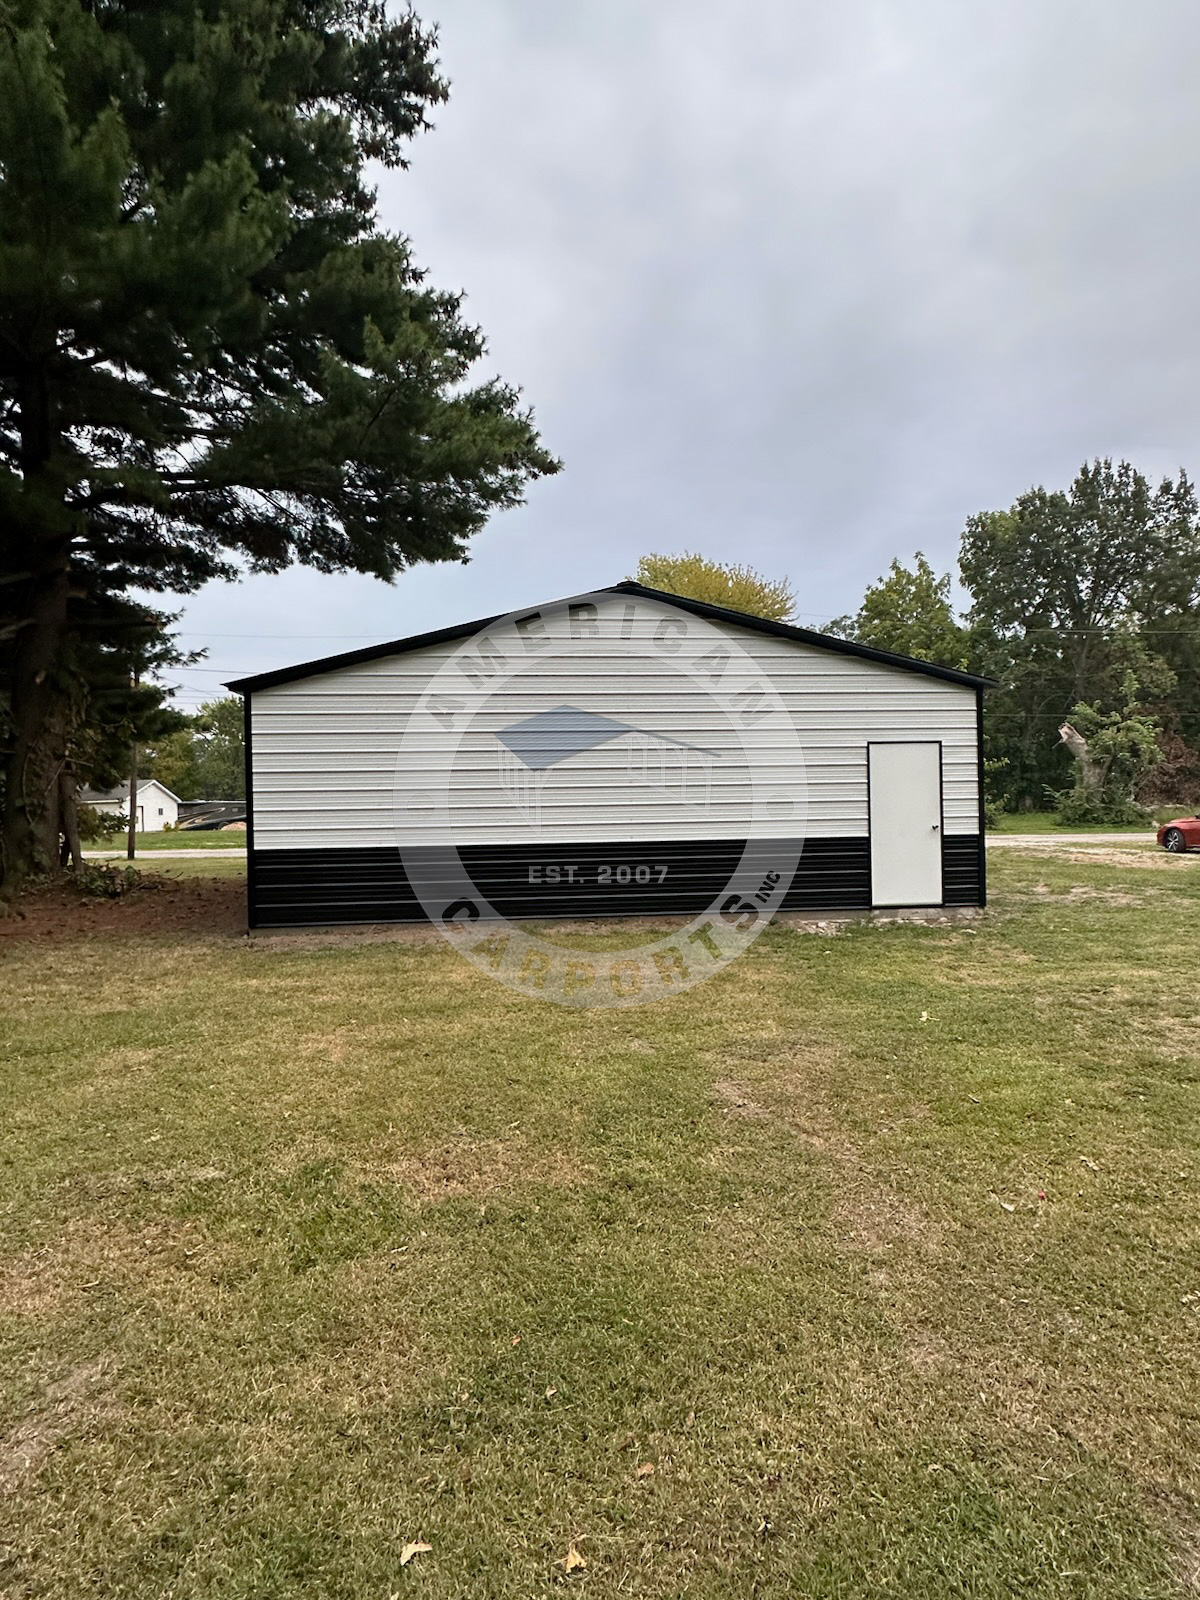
[211,357]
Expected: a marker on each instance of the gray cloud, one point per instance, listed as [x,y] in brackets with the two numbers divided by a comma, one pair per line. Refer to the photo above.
[794,284]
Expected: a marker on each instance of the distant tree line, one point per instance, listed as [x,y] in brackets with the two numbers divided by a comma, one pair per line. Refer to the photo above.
[1084,605]
[204,758]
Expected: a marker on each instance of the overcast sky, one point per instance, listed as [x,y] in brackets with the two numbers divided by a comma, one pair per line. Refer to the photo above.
[796,284]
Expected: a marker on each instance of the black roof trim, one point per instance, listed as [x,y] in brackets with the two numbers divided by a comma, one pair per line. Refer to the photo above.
[352,658]
[700,608]
[821,641]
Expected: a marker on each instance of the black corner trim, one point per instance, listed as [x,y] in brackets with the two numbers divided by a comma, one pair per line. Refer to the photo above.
[961,881]
[982,869]
[251,875]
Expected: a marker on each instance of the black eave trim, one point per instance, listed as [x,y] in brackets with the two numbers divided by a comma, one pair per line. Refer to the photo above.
[788,630]
[699,608]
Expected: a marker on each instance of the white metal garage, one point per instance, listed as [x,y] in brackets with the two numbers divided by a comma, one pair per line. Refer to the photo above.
[599,773]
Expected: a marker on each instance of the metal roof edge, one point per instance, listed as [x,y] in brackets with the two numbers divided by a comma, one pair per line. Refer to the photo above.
[701,608]
[809,636]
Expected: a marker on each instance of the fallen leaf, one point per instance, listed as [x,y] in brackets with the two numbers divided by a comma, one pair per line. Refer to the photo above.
[573,1561]
[1087,1162]
[551,1391]
[646,1470]
[516,1338]
[415,1547]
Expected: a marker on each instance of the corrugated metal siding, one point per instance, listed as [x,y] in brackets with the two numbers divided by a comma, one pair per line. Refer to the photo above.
[962,870]
[325,775]
[296,888]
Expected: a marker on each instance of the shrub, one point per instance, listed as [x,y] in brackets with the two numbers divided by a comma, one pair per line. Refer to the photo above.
[95,824]
[105,882]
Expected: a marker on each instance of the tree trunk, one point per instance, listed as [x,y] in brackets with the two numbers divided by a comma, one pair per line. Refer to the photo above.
[131,837]
[39,713]
[68,818]
[1091,773]
[39,708]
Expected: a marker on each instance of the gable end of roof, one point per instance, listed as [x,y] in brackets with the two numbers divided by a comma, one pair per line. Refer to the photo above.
[700,608]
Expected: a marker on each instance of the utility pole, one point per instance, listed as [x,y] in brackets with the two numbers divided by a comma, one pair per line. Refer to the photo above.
[131,844]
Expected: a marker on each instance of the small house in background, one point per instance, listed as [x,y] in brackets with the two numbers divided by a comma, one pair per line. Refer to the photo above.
[157,807]
[626,779]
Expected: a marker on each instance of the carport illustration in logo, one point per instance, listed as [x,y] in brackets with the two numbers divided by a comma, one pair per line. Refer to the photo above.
[530,752]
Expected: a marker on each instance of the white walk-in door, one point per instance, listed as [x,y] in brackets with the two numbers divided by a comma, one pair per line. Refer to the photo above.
[906,824]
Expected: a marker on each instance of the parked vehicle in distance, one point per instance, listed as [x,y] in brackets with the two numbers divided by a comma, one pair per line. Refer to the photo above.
[1180,835]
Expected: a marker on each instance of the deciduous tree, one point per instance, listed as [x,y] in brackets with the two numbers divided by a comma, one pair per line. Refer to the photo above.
[739,588]
[206,758]
[1072,591]
[908,612]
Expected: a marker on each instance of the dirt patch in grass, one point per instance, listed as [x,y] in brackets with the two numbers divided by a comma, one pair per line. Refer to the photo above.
[866,1213]
[926,1350]
[734,1099]
[1139,859]
[1083,894]
[869,1215]
[88,1257]
[1142,860]
[1080,892]
[32,1285]
[477,1167]
[24,1451]
[199,907]
[330,1047]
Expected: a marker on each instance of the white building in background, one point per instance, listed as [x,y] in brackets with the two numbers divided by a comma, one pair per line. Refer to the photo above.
[157,807]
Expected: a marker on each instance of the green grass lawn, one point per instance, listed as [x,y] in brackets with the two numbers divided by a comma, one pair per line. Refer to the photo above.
[183,839]
[1047,822]
[868,1268]
[202,867]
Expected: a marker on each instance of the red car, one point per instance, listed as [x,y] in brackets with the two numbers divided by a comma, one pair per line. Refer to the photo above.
[1180,835]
